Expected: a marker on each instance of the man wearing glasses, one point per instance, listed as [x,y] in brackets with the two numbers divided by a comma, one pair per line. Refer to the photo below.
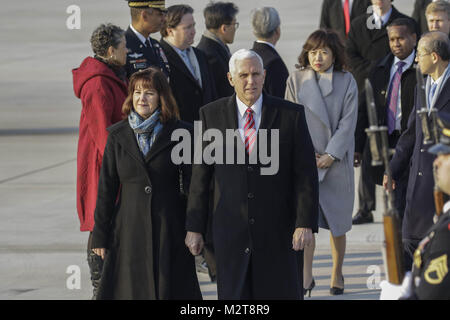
[147,17]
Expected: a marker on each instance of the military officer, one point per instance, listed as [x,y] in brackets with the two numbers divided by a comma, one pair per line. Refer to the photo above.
[430,278]
[146,17]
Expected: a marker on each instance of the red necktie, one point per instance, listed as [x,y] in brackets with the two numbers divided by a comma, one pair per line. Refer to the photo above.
[249,130]
[347,16]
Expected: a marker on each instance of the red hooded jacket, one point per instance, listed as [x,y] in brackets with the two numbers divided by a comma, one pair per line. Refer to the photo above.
[102,94]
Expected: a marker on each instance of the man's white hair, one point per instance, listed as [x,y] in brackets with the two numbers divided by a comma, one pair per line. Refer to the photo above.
[243,54]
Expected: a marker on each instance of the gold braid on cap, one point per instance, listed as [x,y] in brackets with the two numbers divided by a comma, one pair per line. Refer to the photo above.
[150,4]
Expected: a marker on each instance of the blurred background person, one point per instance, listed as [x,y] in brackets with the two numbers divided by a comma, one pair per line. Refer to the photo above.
[141,207]
[266,28]
[330,96]
[368,42]
[338,14]
[438,16]
[190,77]
[419,14]
[100,82]
[221,26]
[393,79]
[147,17]
[433,57]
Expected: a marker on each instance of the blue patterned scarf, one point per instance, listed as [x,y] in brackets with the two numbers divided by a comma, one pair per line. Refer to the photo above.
[146,130]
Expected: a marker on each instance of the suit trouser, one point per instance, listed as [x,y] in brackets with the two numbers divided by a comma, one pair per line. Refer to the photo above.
[366,185]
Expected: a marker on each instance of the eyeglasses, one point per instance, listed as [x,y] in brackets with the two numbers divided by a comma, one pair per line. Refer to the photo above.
[418,55]
[236,25]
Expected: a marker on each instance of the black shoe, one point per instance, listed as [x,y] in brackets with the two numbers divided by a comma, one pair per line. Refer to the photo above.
[362,217]
[309,289]
[335,291]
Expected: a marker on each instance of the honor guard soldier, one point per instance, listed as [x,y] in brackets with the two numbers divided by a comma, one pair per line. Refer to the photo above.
[147,17]
[430,279]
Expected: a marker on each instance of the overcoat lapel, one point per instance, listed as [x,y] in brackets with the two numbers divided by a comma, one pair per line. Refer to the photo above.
[129,143]
[162,141]
[444,96]
[176,61]
[268,113]
[311,96]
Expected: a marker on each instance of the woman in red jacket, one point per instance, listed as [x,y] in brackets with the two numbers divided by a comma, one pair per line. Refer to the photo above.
[100,82]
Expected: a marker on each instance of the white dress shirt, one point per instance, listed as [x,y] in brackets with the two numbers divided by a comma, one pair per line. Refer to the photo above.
[242,108]
[384,18]
[408,62]
[350,5]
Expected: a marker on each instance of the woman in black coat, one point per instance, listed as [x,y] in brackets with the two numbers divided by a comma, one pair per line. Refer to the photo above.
[141,206]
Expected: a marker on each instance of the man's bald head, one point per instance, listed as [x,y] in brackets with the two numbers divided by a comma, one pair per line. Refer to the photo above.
[436,42]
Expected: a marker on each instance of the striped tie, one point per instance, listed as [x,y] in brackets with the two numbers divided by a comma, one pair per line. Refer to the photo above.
[249,130]
[393,96]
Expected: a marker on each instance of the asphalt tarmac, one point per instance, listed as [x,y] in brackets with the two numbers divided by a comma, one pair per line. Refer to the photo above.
[42,251]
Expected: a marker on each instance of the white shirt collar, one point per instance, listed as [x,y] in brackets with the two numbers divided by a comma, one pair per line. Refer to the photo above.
[408,61]
[256,107]
[446,206]
[140,36]
[265,42]
[439,80]
[384,18]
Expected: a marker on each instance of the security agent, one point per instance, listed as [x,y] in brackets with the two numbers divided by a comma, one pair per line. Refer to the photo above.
[430,277]
[146,17]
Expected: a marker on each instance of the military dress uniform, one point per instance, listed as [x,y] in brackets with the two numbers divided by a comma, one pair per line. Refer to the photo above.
[431,279]
[140,57]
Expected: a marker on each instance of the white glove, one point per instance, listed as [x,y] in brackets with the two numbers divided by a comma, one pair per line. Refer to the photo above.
[391,291]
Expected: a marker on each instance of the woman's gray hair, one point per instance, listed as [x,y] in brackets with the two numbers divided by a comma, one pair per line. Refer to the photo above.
[105,36]
[241,55]
[265,21]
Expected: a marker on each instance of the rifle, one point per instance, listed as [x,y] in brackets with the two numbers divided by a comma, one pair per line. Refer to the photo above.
[379,148]
[429,136]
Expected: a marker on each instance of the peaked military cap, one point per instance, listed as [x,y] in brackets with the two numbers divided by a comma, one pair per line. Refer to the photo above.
[443,147]
[156,4]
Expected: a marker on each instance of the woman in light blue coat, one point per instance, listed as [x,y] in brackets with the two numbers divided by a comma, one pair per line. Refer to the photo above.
[330,97]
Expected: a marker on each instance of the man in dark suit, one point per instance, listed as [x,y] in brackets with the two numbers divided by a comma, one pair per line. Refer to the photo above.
[419,14]
[146,17]
[221,25]
[433,55]
[338,14]
[393,80]
[266,28]
[261,220]
[368,42]
[190,76]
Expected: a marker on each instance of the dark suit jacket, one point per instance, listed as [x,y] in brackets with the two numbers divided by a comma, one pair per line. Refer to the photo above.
[365,46]
[186,90]
[255,215]
[218,59]
[140,57]
[332,15]
[418,14]
[411,151]
[379,79]
[276,71]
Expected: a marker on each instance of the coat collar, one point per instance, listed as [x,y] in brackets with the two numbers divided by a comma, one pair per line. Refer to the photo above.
[312,98]
[268,112]
[127,139]
[177,63]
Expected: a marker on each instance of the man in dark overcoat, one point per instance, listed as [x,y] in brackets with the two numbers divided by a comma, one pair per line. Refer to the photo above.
[261,220]
[418,14]
[433,55]
[393,80]
[367,43]
[221,26]
[147,17]
[266,27]
[190,76]
[334,14]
